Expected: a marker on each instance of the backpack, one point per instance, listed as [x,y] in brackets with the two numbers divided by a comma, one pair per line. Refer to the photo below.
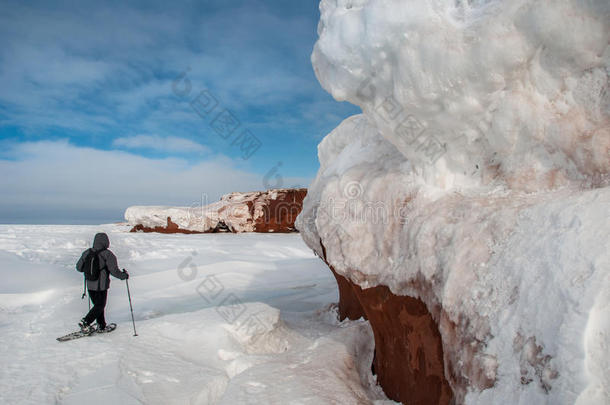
[92,265]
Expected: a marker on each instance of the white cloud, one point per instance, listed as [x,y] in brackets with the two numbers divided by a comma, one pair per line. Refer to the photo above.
[160,143]
[58,180]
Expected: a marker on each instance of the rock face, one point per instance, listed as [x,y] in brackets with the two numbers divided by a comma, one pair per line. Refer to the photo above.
[261,211]
[408,360]
[408,347]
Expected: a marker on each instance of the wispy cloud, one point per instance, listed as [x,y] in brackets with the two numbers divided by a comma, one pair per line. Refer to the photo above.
[160,144]
[99,68]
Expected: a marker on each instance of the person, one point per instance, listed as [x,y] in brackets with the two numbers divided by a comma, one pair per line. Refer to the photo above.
[98,289]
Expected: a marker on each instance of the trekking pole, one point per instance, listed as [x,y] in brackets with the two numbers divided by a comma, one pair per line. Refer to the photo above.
[85,291]
[131,308]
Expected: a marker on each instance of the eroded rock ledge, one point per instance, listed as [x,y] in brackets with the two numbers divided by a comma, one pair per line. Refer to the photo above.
[408,346]
[260,211]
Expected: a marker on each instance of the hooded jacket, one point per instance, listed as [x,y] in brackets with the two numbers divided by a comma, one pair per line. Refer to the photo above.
[108,263]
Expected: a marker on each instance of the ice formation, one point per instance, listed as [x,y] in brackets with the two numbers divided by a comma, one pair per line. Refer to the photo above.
[259,211]
[476,179]
[476,91]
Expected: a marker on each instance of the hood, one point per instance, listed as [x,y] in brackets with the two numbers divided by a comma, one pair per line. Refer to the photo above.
[101,242]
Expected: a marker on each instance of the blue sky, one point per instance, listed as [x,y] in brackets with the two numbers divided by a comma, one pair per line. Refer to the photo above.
[95,114]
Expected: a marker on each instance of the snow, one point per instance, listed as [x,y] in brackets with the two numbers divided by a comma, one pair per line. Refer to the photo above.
[221,319]
[185,217]
[477,180]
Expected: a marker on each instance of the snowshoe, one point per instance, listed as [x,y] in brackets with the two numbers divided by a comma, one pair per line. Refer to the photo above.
[109,328]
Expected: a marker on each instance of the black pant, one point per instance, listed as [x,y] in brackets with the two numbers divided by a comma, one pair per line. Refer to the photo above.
[98,298]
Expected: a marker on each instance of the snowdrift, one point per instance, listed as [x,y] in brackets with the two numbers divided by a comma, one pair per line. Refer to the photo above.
[260,211]
[472,191]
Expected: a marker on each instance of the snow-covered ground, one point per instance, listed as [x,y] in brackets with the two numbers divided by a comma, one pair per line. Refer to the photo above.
[221,319]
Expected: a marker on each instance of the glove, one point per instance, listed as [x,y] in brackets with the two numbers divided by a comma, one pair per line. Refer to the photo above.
[125,274]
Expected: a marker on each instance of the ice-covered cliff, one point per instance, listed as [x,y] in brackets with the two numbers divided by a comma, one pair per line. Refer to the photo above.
[476,91]
[259,211]
[475,183]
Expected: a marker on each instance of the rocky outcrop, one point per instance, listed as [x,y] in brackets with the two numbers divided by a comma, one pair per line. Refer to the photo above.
[408,361]
[261,211]
[468,203]
[349,303]
[271,211]
[408,347]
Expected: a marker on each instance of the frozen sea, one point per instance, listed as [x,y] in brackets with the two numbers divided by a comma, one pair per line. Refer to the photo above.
[221,319]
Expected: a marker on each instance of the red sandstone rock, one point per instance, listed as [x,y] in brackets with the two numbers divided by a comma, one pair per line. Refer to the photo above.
[409,361]
[408,347]
[278,213]
[261,211]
